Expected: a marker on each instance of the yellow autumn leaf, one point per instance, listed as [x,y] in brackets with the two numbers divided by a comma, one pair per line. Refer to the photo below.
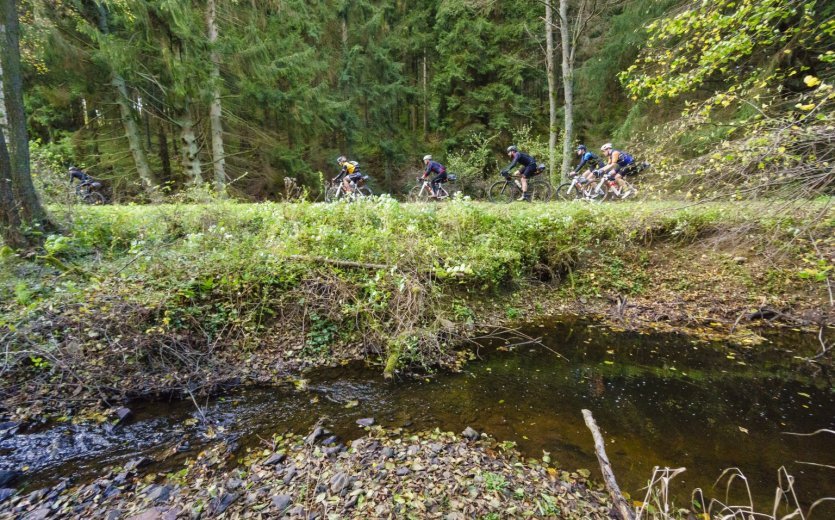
[806,107]
[811,81]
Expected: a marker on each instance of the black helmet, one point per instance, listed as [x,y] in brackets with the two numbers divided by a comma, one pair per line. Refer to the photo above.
[512,148]
[581,147]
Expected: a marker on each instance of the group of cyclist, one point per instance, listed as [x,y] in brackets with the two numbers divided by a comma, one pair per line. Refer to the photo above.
[616,165]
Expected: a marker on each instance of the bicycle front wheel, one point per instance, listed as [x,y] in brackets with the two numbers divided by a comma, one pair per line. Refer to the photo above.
[419,193]
[568,191]
[332,193]
[503,192]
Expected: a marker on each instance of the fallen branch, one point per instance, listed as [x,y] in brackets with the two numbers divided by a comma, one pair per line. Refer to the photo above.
[340,263]
[621,506]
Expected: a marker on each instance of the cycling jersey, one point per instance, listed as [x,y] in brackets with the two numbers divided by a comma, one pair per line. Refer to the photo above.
[523,159]
[591,159]
[624,159]
[435,167]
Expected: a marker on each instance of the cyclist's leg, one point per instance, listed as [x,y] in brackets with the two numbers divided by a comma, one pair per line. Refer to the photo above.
[436,181]
[527,172]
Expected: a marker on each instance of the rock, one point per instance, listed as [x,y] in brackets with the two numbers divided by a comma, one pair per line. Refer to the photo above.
[413,450]
[470,434]
[8,429]
[137,463]
[120,478]
[5,493]
[171,514]
[222,503]
[401,472]
[388,452]
[123,414]
[38,514]
[275,458]
[114,514]
[351,502]
[282,502]
[9,477]
[314,435]
[436,447]
[366,422]
[111,491]
[330,440]
[36,496]
[149,514]
[288,477]
[233,484]
[158,493]
[339,482]
[740,260]
[334,450]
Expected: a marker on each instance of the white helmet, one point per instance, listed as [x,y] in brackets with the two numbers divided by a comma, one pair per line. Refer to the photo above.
[427,157]
[607,146]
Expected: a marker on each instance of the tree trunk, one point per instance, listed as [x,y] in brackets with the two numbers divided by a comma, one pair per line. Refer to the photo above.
[23,208]
[568,86]
[131,128]
[11,230]
[164,158]
[189,152]
[425,99]
[552,88]
[218,157]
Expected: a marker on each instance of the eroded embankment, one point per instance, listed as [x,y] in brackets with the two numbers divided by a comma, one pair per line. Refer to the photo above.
[141,300]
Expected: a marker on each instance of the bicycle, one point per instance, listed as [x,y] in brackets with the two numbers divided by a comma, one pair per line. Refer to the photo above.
[88,192]
[610,188]
[575,190]
[336,190]
[510,189]
[422,191]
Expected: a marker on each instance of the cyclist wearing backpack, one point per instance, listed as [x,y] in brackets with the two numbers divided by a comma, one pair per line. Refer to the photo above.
[590,159]
[620,164]
[438,169]
[527,168]
[350,172]
[78,173]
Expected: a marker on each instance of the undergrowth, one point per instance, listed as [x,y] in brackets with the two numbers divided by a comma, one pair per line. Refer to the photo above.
[153,298]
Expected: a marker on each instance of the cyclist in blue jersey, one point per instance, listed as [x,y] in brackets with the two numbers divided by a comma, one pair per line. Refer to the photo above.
[589,159]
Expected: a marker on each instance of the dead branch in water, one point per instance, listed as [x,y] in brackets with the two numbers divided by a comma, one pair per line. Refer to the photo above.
[620,505]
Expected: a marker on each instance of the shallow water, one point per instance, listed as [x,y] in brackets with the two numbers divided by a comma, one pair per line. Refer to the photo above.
[660,400]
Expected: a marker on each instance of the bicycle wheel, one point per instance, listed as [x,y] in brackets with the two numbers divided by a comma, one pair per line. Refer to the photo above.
[539,191]
[567,192]
[503,192]
[94,197]
[365,191]
[332,193]
[419,194]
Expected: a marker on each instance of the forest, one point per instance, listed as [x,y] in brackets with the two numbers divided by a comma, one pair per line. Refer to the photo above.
[197,321]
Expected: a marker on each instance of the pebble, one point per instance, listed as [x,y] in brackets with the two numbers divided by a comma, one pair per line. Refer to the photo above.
[314,435]
[158,493]
[366,422]
[470,434]
[339,482]
[402,472]
[6,493]
[282,502]
[288,477]
[388,453]
[123,414]
[222,503]
[275,458]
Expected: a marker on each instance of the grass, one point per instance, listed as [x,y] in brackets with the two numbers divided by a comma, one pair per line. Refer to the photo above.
[148,298]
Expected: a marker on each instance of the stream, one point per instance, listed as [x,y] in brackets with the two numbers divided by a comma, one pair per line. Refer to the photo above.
[659,399]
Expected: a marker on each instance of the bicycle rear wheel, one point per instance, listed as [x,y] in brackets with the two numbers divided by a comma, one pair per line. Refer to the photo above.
[503,192]
[94,197]
[539,191]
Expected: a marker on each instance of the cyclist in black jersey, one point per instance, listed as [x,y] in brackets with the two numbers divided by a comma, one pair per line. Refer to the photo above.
[527,168]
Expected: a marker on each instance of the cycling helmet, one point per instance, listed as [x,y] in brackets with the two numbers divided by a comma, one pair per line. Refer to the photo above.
[607,146]
[581,147]
[73,169]
[512,148]
[341,159]
[427,157]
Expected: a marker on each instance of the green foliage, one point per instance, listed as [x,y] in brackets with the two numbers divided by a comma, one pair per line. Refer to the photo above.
[320,336]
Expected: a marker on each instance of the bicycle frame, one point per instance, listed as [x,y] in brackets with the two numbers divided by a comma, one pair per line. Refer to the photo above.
[426,187]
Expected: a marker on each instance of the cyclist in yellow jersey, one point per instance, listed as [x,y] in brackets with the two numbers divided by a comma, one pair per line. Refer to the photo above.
[350,172]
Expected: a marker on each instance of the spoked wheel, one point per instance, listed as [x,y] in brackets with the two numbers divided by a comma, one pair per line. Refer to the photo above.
[93,197]
[332,193]
[503,192]
[364,192]
[567,192]
[539,191]
[418,194]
